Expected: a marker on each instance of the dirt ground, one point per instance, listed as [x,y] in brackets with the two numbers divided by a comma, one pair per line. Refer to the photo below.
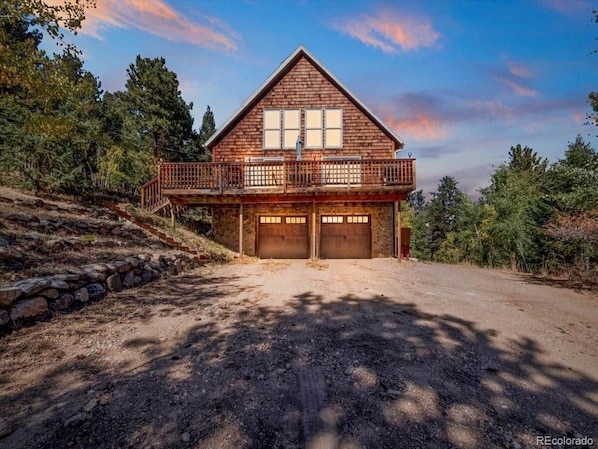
[292,354]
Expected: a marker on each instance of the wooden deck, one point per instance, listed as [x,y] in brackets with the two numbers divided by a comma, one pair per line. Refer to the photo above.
[338,180]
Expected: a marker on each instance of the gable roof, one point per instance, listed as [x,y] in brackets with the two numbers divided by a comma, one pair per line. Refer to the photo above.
[282,70]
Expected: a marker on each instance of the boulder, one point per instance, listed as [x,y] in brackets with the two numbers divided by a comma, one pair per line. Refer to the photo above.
[63,302]
[116,231]
[114,283]
[81,295]
[135,263]
[101,267]
[4,317]
[137,281]
[146,276]
[96,291]
[70,277]
[8,295]
[129,279]
[33,285]
[49,293]
[58,284]
[94,276]
[27,308]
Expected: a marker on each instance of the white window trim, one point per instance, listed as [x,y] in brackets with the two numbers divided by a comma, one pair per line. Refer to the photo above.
[321,128]
[331,128]
[264,130]
[285,128]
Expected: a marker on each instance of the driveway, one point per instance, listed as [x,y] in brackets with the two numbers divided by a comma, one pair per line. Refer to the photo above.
[294,354]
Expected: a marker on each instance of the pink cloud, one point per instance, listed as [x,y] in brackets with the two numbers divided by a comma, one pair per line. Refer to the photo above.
[419,126]
[520,90]
[388,31]
[519,70]
[517,76]
[158,18]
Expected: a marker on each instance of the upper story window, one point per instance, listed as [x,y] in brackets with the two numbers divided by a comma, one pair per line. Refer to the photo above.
[291,125]
[272,129]
[333,128]
[313,128]
[281,128]
[323,128]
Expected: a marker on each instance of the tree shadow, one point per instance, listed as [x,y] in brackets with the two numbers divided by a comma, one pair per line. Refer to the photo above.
[348,372]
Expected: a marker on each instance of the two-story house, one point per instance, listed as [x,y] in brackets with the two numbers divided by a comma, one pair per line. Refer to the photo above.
[302,169]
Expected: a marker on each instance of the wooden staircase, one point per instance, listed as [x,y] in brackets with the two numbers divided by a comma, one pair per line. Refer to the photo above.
[170,240]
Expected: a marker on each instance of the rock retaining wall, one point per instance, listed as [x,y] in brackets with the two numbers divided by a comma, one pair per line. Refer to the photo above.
[35,297]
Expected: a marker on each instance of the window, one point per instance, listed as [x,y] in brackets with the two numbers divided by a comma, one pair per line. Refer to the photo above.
[291,124]
[313,128]
[295,220]
[358,219]
[271,129]
[270,220]
[333,128]
[332,219]
[323,128]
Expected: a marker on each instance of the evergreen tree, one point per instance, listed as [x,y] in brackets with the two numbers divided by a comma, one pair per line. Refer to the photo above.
[443,212]
[208,126]
[160,116]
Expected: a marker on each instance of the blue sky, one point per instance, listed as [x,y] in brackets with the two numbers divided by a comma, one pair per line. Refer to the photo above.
[460,81]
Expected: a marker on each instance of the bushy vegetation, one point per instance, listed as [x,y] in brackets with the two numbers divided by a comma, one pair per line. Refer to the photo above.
[60,132]
[533,216]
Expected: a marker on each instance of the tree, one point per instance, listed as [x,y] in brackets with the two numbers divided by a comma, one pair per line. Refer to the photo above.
[443,212]
[161,118]
[514,196]
[47,120]
[208,126]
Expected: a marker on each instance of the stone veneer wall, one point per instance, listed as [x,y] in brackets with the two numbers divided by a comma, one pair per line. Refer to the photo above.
[226,223]
[35,297]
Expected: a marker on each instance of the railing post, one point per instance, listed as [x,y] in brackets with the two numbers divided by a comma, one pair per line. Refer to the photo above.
[220,178]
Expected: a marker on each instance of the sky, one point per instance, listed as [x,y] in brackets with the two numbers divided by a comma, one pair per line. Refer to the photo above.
[460,81]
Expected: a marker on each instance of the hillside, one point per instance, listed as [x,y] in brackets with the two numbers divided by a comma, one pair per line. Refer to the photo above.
[44,235]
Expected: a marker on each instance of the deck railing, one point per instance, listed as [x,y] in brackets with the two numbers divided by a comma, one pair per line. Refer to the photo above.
[151,194]
[220,177]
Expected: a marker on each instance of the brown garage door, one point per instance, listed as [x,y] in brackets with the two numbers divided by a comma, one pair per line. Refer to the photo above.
[345,237]
[282,237]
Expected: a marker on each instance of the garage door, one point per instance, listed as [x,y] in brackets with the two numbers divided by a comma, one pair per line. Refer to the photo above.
[283,237]
[345,237]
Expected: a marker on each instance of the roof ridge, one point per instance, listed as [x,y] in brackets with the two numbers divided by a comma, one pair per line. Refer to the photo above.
[301,49]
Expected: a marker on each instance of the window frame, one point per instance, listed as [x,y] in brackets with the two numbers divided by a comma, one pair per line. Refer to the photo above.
[265,129]
[327,128]
[320,128]
[292,146]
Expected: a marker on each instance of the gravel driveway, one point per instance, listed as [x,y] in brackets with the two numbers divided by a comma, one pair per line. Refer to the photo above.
[293,354]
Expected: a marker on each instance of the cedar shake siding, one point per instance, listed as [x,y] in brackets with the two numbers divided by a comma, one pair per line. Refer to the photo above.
[304,87]
[340,200]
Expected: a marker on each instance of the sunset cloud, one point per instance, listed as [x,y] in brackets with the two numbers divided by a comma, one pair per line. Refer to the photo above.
[158,18]
[389,31]
[418,126]
[517,76]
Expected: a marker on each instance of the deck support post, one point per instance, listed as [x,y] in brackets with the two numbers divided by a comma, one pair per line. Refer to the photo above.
[172,216]
[313,230]
[241,229]
[397,208]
